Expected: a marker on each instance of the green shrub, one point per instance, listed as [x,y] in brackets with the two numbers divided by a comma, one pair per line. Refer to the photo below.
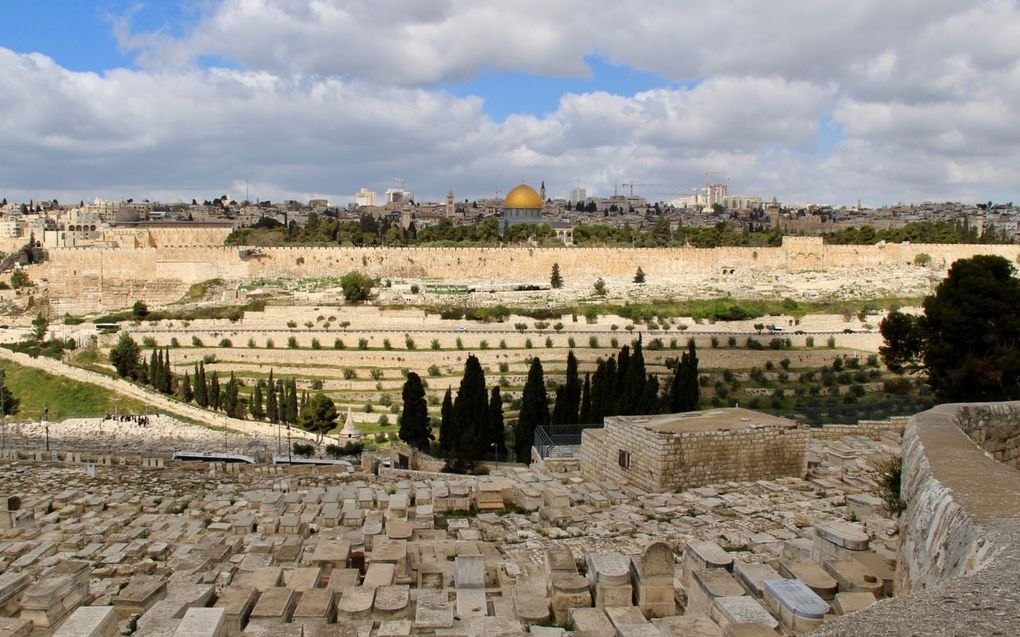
[434,370]
[593,342]
[548,341]
[270,344]
[292,342]
[409,342]
[303,449]
[376,374]
[316,344]
[174,342]
[435,344]
[196,341]
[362,343]
[338,343]
[148,341]
[350,374]
[226,343]
[386,344]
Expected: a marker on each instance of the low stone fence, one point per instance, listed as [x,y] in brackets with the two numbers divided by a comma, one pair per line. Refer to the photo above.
[960,531]
[871,428]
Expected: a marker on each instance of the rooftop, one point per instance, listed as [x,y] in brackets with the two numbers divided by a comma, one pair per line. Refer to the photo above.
[725,419]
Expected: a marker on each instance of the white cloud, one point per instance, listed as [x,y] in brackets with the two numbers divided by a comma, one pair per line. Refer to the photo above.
[323,97]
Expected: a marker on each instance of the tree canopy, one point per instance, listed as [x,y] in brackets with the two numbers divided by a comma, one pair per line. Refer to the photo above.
[318,414]
[967,342]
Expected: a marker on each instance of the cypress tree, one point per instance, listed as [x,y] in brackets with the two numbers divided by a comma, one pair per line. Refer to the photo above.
[534,412]
[214,391]
[634,384]
[292,407]
[685,393]
[571,392]
[496,431]
[693,387]
[272,413]
[168,374]
[229,399]
[470,414]
[445,433]
[281,400]
[584,416]
[609,388]
[155,369]
[201,389]
[618,400]
[184,389]
[257,411]
[414,418]
[598,408]
[559,406]
[649,401]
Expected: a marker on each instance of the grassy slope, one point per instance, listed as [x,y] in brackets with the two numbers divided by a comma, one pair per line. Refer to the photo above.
[65,398]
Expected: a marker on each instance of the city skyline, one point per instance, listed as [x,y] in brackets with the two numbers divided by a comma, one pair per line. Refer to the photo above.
[827,103]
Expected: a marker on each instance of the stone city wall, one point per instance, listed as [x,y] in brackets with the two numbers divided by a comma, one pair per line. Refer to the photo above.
[95,279]
[664,461]
[959,538]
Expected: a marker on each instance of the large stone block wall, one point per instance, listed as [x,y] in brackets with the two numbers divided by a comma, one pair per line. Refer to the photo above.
[105,278]
[870,428]
[994,428]
[663,461]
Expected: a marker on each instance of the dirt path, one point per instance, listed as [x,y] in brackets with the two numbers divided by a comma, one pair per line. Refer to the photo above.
[156,400]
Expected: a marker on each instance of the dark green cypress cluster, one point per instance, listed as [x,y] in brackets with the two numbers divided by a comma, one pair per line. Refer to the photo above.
[415,428]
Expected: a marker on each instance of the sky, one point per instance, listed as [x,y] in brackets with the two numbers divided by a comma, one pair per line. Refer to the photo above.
[823,101]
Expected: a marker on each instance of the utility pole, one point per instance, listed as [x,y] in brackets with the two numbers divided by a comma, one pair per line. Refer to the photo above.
[46,425]
[289,446]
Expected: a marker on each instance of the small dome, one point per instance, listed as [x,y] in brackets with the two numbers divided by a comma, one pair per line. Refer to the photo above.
[523,197]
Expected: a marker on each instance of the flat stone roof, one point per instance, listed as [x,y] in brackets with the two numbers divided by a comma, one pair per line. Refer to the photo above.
[723,419]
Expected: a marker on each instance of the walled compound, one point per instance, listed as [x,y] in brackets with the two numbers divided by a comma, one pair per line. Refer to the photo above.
[679,451]
[93,279]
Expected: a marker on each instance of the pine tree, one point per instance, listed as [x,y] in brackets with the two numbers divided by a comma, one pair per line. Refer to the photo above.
[496,434]
[201,388]
[584,416]
[184,388]
[639,276]
[555,280]
[445,432]
[470,414]
[534,412]
[272,412]
[415,429]
[292,406]
[571,391]
[214,391]
[257,411]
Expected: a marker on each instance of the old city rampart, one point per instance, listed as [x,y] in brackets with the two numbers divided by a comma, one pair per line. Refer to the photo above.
[91,279]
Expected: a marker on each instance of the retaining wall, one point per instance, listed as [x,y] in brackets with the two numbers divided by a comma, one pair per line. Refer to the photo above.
[960,531]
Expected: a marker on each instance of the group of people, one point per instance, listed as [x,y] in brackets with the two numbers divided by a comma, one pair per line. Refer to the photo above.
[141,421]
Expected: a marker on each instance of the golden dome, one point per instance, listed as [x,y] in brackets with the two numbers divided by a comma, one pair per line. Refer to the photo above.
[523,197]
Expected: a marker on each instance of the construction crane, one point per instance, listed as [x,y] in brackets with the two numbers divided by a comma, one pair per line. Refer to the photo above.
[402,181]
[631,185]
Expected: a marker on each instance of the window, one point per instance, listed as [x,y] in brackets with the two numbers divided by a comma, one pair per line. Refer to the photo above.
[624,459]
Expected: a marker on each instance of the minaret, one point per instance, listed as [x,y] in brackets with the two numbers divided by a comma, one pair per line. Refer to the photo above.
[449,203]
[541,192]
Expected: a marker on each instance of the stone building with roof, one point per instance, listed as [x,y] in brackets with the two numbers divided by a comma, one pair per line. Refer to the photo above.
[678,451]
[522,206]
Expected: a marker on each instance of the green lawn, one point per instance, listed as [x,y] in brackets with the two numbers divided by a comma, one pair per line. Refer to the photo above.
[65,398]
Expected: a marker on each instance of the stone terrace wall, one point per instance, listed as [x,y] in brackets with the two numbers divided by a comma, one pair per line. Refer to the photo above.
[106,278]
[661,461]
[959,534]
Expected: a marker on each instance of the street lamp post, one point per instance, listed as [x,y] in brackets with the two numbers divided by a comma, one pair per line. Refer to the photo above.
[289,446]
[46,425]
[3,414]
